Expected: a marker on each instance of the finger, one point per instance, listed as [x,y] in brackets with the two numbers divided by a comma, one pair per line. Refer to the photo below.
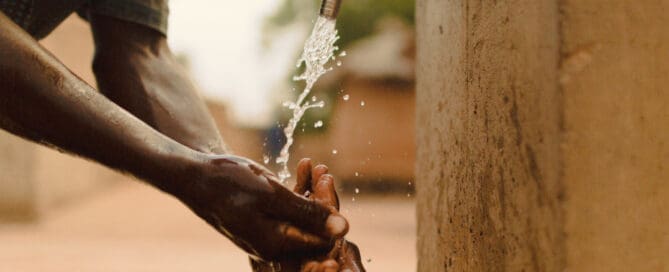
[336,249]
[330,266]
[292,240]
[303,176]
[311,266]
[307,214]
[260,266]
[350,258]
[325,192]
[316,174]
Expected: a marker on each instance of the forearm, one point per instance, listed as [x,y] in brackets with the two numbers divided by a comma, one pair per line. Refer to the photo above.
[136,69]
[41,100]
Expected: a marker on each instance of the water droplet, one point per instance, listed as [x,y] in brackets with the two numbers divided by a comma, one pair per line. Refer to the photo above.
[318,124]
[313,98]
[334,151]
[352,199]
[342,54]
[265,159]
[284,174]
[362,103]
[339,63]
[357,190]
[357,174]
[346,97]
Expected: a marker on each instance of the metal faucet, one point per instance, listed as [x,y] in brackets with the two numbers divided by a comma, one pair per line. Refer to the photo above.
[330,8]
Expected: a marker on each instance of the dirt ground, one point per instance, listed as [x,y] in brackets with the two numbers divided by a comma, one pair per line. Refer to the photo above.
[132,227]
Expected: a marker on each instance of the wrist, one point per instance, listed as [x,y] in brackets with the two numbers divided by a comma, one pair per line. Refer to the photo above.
[173,169]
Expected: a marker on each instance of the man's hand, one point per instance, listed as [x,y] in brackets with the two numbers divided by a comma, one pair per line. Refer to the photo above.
[246,203]
[317,185]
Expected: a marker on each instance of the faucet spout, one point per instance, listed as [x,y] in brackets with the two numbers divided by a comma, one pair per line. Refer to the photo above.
[330,8]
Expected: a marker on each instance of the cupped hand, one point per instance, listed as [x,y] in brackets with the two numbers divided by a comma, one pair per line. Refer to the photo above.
[246,203]
[316,184]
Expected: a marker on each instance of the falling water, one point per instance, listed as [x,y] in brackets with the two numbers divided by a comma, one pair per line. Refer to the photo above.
[318,50]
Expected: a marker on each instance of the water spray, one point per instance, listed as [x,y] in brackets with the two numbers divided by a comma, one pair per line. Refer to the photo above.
[318,51]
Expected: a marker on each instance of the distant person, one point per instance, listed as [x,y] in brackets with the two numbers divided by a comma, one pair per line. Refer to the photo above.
[148,120]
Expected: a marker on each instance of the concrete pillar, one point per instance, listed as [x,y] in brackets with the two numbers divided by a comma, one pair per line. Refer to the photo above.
[542,135]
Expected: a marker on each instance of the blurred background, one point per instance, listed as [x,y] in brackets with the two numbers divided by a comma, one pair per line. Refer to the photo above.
[60,213]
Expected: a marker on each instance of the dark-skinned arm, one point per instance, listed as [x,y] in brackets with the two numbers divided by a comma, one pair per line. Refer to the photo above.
[42,101]
[136,69]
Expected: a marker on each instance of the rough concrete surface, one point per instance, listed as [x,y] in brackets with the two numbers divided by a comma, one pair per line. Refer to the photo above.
[616,149]
[488,141]
[542,131]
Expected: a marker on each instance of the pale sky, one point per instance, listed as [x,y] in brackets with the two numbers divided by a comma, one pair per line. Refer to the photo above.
[228,62]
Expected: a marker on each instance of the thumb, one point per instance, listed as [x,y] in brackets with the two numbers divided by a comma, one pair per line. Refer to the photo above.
[308,214]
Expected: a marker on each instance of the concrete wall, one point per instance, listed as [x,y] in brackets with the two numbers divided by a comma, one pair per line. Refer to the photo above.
[542,135]
[616,145]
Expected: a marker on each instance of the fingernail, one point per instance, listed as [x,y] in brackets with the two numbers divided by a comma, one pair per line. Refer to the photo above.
[337,225]
[331,266]
[327,177]
[305,160]
[321,167]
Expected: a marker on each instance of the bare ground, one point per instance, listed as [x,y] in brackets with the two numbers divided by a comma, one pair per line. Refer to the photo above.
[132,227]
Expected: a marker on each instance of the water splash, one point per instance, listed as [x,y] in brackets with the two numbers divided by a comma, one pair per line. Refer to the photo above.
[318,50]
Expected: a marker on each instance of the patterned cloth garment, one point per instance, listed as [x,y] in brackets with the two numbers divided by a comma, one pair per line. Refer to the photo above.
[40,17]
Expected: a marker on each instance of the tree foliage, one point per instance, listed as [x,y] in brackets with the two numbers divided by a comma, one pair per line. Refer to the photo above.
[357,18]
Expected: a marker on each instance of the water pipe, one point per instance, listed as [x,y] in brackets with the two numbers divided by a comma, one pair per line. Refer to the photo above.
[330,9]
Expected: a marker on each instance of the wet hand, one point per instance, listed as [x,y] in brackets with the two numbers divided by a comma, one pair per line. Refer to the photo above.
[319,186]
[246,203]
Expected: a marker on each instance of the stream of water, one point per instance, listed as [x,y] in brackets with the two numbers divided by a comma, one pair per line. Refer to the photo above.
[318,51]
